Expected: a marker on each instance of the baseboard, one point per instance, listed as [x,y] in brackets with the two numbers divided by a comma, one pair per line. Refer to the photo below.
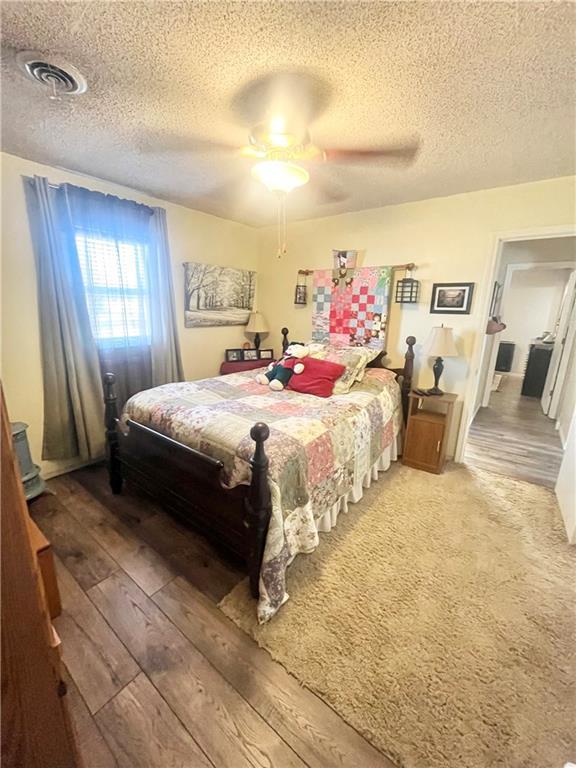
[563,437]
[70,468]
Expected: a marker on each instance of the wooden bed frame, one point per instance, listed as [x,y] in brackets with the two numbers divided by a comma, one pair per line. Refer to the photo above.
[187,482]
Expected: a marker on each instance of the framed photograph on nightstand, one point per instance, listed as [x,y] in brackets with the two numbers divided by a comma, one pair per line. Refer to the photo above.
[249,354]
[233,355]
[266,354]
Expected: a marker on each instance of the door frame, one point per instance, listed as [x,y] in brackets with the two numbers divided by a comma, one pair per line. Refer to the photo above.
[554,382]
[485,297]
[510,270]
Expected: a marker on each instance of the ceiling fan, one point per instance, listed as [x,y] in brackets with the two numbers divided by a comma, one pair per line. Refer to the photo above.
[285,153]
[278,110]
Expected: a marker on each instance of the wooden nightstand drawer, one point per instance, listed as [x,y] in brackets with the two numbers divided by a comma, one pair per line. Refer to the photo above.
[427,433]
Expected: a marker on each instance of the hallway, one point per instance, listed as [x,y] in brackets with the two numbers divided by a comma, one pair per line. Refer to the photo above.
[513,437]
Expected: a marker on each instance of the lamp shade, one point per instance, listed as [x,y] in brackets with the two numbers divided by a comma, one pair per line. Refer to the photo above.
[440,343]
[280,176]
[257,323]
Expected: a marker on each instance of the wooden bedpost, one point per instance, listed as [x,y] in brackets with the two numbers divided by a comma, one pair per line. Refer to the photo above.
[407,377]
[110,419]
[285,342]
[258,506]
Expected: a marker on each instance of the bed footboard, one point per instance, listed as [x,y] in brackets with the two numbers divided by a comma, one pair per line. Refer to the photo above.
[188,483]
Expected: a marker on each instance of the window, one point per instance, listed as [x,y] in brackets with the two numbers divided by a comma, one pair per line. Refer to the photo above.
[117,292]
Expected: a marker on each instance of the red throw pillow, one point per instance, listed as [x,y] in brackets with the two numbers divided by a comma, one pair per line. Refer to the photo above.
[317,378]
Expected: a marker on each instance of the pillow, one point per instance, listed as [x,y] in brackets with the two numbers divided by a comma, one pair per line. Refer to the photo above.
[368,354]
[317,378]
[354,359]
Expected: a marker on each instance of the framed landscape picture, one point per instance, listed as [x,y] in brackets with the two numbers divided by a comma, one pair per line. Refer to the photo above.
[451,298]
[217,295]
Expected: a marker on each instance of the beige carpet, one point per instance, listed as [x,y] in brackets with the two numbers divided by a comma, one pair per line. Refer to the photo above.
[438,619]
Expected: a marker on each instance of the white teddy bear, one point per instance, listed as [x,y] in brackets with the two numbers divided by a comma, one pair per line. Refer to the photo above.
[279,373]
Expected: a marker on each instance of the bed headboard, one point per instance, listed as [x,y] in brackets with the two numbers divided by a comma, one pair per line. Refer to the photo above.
[403,375]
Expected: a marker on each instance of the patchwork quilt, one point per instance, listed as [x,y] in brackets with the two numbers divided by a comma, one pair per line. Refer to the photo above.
[317,449]
[350,306]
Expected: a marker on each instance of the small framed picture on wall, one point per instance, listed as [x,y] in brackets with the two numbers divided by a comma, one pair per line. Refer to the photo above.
[266,354]
[451,298]
[250,354]
[344,259]
[233,355]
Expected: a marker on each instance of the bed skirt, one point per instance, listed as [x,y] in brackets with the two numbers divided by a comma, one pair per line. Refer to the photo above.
[330,517]
[298,533]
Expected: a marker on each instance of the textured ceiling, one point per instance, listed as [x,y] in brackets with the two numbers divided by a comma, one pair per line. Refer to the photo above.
[488,87]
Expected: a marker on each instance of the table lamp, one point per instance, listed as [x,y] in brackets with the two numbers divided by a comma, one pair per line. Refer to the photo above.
[439,344]
[256,325]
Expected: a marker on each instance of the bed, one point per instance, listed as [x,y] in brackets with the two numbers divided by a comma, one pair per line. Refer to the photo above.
[260,473]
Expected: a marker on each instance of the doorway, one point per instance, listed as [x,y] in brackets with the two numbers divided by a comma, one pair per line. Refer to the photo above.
[527,383]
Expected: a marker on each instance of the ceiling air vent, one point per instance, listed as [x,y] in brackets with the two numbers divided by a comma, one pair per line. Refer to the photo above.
[53,72]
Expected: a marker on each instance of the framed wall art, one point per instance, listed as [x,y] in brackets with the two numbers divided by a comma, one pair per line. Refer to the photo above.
[344,259]
[217,295]
[451,298]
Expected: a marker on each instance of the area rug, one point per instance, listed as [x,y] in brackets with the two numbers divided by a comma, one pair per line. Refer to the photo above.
[439,620]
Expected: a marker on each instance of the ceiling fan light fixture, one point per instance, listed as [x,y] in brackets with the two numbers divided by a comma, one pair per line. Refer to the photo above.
[280,176]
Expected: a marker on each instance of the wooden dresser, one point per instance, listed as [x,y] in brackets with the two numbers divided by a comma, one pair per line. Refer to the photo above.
[427,431]
[36,731]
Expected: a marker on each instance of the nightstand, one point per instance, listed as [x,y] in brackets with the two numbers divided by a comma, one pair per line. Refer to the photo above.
[242,365]
[427,432]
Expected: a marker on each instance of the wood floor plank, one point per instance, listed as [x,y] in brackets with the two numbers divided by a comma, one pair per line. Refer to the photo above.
[513,437]
[131,508]
[192,556]
[90,742]
[70,540]
[97,661]
[188,553]
[148,569]
[225,726]
[143,732]
[313,730]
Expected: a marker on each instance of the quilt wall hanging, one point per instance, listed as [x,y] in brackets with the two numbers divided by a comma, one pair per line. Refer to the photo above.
[217,295]
[351,306]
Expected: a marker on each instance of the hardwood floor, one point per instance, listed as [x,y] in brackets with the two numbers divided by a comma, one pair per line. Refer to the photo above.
[513,437]
[157,676]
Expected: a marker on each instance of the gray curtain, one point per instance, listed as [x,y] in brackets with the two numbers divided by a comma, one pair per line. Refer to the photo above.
[73,408]
[164,344]
[106,304]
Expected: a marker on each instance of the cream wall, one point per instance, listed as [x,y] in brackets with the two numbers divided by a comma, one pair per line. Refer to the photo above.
[531,307]
[546,250]
[192,235]
[567,406]
[450,239]
[566,484]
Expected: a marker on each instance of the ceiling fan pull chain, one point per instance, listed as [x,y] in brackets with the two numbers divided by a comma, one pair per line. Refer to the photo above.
[284,246]
[282,249]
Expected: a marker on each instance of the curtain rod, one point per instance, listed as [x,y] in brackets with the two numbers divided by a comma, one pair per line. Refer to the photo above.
[409,266]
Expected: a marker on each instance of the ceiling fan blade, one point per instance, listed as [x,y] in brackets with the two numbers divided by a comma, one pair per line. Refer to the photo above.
[327,188]
[252,152]
[297,97]
[188,143]
[403,154]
